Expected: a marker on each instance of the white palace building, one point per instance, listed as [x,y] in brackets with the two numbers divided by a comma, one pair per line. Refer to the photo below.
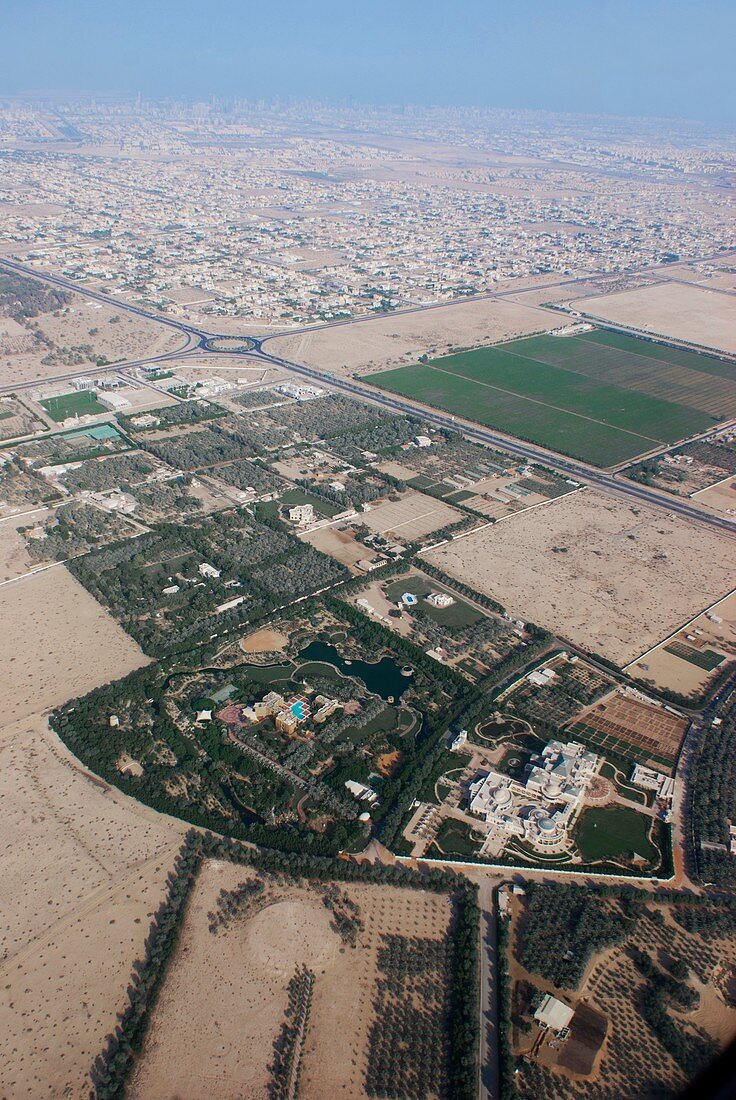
[540,810]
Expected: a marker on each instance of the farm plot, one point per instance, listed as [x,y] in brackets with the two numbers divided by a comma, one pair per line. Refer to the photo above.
[173,416]
[687,662]
[573,687]
[412,517]
[550,390]
[201,577]
[487,481]
[16,419]
[620,723]
[686,378]
[602,975]
[701,470]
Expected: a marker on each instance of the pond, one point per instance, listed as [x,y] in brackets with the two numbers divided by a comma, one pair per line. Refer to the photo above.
[383,677]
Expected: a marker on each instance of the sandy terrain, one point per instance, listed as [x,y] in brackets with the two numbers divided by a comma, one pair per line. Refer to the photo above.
[670,671]
[610,577]
[83,871]
[84,867]
[14,558]
[339,543]
[224,999]
[264,641]
[411,517]
[390,340]
[57,643]
[688,313]
[720,497]
[128,338]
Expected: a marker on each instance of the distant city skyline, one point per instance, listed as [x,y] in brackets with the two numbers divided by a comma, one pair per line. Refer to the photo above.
[631,59]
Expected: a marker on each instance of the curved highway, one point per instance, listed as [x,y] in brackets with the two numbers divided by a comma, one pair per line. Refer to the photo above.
[199,340]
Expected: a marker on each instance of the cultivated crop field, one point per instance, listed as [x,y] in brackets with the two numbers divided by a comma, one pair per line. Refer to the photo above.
[601,397]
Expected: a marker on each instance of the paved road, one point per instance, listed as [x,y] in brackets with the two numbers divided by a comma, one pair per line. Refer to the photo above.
[198,339]
[195,334]
[631,490]
[488,1083]
[491,295]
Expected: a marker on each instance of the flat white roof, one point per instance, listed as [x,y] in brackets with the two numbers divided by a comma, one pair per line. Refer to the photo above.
[555,1014]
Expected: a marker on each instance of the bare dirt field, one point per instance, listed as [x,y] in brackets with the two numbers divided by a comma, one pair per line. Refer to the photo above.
[84,869]
[674,670]
[649,727]
[339,543]
[680,312]
[410,518]
[57,643]
[720,497]
[224,999]
[264,641]
[389,340]
[611,577]
[128,337]
[14,557]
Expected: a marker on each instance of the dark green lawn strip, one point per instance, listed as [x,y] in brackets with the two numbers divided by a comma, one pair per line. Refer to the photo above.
[691,360]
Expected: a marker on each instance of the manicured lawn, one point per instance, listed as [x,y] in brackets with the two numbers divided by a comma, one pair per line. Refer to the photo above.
[610,832]
[297,496]
[555,392]
[72,404]
[458,614]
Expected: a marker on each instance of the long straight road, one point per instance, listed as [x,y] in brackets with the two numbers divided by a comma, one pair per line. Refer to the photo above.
[578,471]
[488,1082]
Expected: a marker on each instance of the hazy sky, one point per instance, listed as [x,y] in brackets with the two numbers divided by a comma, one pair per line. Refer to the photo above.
[644,57]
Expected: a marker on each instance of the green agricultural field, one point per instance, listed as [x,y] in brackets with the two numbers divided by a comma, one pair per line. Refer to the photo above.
[72,404]
[707,659]
[611,833]
[596,398]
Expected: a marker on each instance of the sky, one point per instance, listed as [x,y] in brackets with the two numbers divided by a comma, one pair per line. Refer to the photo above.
[661,58]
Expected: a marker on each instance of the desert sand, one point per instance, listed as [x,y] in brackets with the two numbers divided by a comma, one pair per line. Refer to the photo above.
[264,641]
[14,557]
[223,1002]
[130,337]
[688,313]
[611,577]
[57,642]
[389,340]
[667,670]
[84,869]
